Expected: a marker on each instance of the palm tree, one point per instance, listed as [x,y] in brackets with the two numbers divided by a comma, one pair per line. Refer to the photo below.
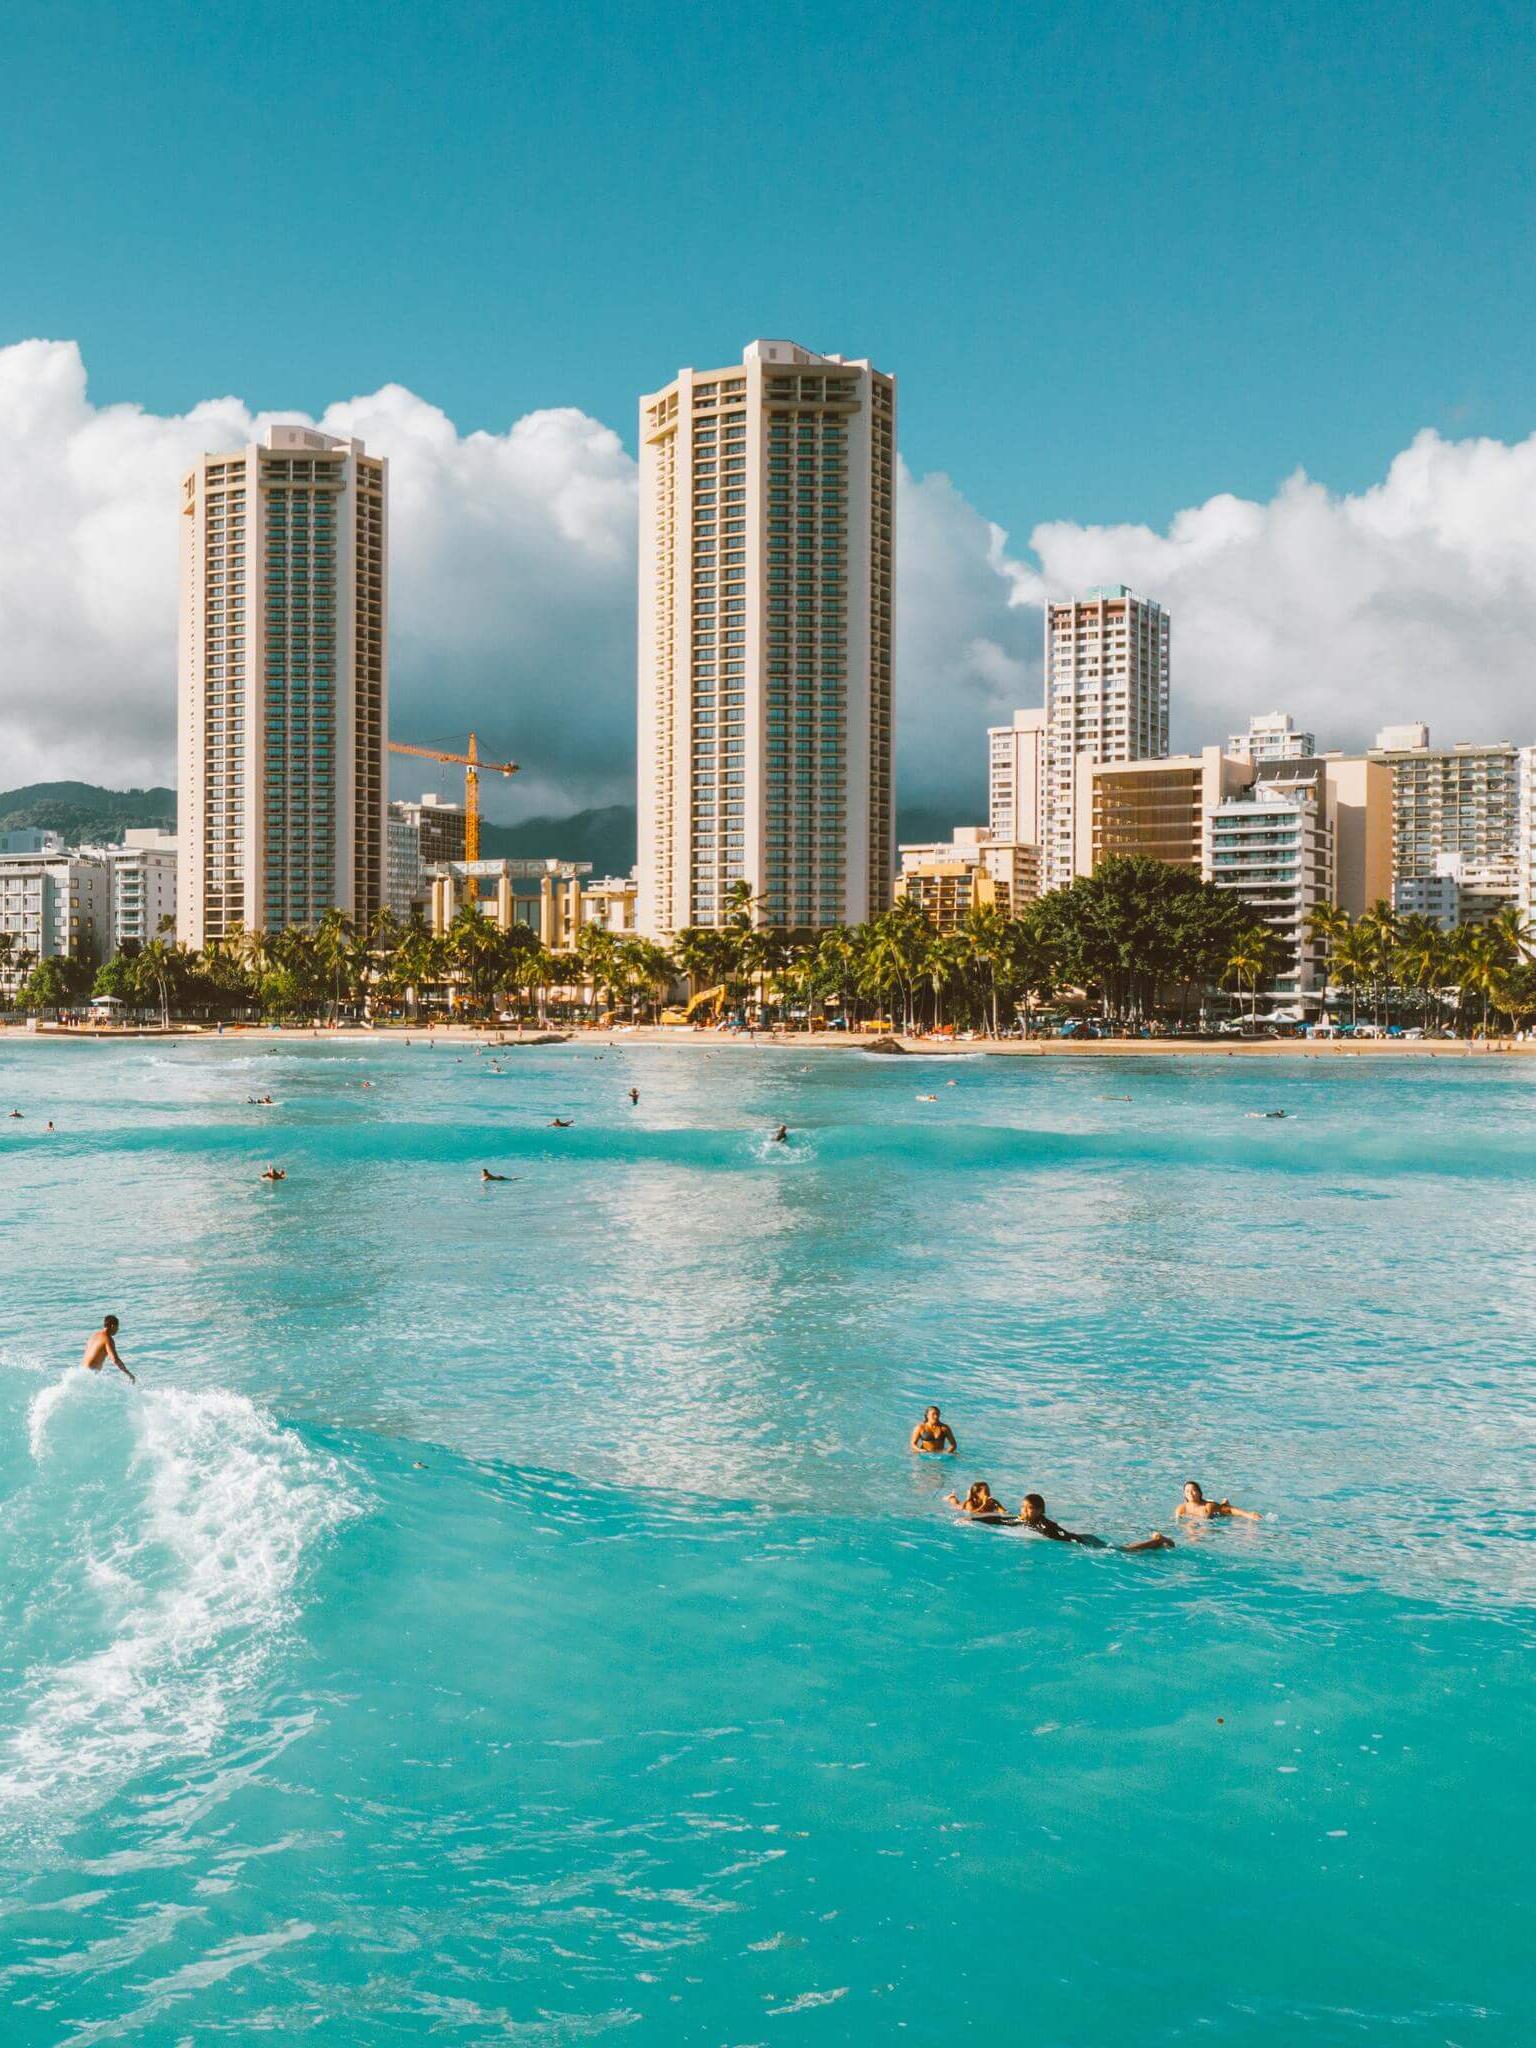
[1377,933]
[1421,959]
[1252,960]
[1327,924]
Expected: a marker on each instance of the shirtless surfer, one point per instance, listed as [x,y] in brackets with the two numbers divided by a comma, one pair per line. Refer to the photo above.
[487,1175]
[101,1345]
[933,1437]
[1197,1508]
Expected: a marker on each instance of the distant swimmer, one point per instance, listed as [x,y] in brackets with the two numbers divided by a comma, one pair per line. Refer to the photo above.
[562,1123]
[275,1173]
[16,1113]
[927,1098]
[781,1135]
[486,1174]
[933,1437]
[49,1125]
[1264,1115]
[101,1345]
[634,1094]
[1199,1509]
[980,1502]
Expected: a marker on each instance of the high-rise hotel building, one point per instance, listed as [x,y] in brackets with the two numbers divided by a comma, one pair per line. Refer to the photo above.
[1106,696]
[767,542]
[284,682]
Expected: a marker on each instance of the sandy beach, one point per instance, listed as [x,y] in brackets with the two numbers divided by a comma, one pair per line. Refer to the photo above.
[814,1041]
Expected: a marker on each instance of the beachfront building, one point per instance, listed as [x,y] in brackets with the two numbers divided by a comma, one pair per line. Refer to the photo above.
[53,906]
[1354,796]
[947,879]
[1462,801]
[284,683]
[767,547]
[1016,779]
[1151,809]
[1272,736]
[543,895]
[1272,845]
[612,904]
[419,832]
[141,885]
[1447,896]
[1106,701]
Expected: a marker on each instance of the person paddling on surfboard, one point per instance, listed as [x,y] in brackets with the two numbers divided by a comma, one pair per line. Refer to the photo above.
[980,1502]
[1032,1516]
[101,1345]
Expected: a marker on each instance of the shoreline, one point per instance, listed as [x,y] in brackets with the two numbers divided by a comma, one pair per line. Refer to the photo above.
[814,1041]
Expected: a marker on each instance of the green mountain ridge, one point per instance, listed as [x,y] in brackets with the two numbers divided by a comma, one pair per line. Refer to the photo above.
[84,812]
[89,814]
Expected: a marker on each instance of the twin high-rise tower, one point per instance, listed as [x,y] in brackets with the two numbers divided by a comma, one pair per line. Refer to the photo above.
[284,685]
[767,543]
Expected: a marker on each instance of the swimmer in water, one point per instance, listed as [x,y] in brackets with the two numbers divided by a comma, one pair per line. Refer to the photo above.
[634,1094]
[933,1437]
[781,1135]
[1032,1515]
[927,1098]
[980,1502]
[275,1173]
[562,1123]
[16,1114]
[487,1175]
[1197,1508]
[101,1345]
[1264,1115]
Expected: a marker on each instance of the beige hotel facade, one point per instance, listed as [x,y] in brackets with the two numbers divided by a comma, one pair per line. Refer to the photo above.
[767,554]
[283,697]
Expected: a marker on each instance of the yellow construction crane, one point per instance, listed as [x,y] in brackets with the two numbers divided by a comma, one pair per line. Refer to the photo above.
[472,765]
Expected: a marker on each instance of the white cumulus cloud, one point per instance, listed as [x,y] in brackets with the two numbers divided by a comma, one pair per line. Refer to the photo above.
[1413,599]
[513,593]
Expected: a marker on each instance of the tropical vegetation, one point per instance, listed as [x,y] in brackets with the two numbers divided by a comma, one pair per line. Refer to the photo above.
[1137,944]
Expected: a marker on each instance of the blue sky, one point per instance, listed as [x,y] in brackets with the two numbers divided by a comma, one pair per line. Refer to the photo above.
[1120,258]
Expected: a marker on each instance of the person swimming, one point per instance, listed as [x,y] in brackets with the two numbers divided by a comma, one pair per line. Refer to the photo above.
[980,1502]
[101,1346]
[634,1094]
[1197,1508]
[781,1135]
[486,1175]
[562,1123]
[1266,1115]
[933,1437]
[1032,1515]
[275,1173]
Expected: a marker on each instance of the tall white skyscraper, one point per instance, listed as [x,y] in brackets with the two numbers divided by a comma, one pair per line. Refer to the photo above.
[1106,696]
[1272,736]
[284,685]
[1016,778]
[767,544]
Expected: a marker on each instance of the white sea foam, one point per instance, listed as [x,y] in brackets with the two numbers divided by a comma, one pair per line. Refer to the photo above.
[43,1405]
[213,1512]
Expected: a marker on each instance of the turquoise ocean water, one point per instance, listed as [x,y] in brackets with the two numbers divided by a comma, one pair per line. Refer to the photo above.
[512,1614]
